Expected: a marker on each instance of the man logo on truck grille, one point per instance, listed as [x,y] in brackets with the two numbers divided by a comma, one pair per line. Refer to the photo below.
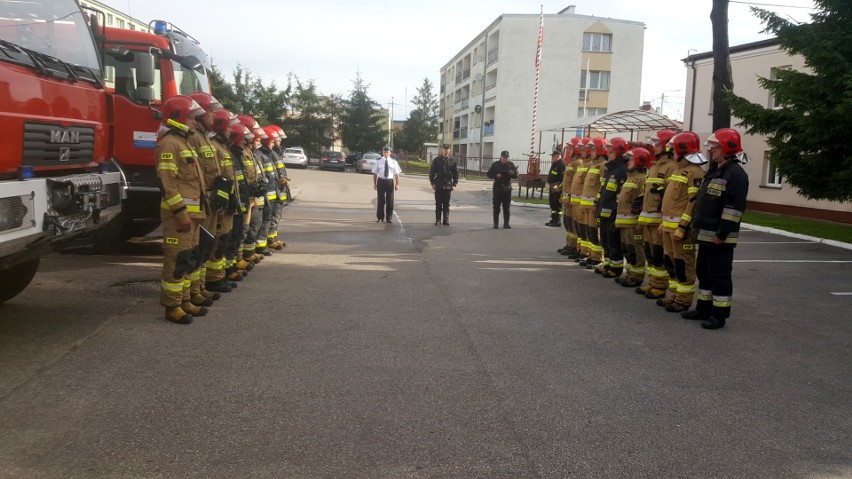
[64,153]
[64,136]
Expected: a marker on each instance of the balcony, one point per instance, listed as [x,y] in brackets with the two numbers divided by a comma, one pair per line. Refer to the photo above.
[492,55]
[463,133]
[459,77]
[465,103]
[466,74]
[488,128]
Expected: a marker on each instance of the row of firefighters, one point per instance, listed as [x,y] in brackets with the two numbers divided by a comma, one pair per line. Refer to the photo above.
[224,187]
[637,213]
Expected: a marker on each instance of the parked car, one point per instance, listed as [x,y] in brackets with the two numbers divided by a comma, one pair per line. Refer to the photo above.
[352,158]
[333,160]
[366,162]
[295,157]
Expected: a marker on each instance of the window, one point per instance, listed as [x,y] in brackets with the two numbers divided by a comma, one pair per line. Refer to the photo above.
[773,76]
[597,80]
[120,23]
[109,19]
[772,177]
[597,42]
[590,112]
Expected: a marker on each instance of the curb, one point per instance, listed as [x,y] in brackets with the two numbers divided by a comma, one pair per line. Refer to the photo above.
[761,229]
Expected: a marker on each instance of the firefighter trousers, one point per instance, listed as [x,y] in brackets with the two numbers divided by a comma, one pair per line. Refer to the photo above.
[655,256]
[634,254]
[180,260]
[252,230]
[215,264]
[277,210]
[715,286]
[592,234]
[680,263]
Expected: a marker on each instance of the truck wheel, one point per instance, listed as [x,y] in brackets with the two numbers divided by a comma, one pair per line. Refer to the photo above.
[16,278]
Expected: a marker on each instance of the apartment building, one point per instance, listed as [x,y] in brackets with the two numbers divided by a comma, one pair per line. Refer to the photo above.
[767,189]
[115,18]
[589,66]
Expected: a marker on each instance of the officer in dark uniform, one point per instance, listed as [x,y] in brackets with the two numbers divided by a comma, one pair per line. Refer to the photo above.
[611,184]
[719,207]
[554,184]
[444,176]
[502,172]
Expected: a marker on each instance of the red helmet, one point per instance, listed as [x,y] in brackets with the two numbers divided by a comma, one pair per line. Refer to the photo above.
[259,133]
[238,133]
[728,139]
[575,141]
[619,145]
[248,121]
[642,158]
[280,131]
[206,101]
[271,134]
[685,143]
[222,119]
[600,146]
[661,137]
[177,109]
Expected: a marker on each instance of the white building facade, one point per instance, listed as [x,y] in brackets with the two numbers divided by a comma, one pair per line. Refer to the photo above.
[115,18]
[767,189]
[589,66]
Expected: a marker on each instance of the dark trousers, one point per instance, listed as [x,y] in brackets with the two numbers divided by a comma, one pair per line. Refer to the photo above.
[611,243]
[442,203]
[555,199]
[235,238]
[384,209]
[715,286]
[501,198]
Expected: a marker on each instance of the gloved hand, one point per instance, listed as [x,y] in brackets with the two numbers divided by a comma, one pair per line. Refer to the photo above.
[221,193]
[679,234]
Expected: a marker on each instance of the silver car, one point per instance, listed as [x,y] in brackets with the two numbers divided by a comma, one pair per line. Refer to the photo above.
[366,163]
[295,157]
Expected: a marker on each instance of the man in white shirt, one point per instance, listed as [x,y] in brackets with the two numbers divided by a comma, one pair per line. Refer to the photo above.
[385,181]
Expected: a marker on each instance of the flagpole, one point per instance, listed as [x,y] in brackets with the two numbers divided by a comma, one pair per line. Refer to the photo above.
[534,165]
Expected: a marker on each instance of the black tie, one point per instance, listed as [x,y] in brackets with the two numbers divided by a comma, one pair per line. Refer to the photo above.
[387,160]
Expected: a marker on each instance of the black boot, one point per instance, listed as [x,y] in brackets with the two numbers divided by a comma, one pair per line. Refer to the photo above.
[446,221]
[713,323]
[437,218]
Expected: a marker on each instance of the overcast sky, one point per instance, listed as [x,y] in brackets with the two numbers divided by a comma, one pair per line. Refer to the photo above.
[396,44]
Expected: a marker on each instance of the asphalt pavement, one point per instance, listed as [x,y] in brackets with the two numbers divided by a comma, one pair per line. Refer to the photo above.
[369,350]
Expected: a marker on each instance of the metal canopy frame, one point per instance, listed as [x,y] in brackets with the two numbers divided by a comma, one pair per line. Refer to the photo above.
[627,120]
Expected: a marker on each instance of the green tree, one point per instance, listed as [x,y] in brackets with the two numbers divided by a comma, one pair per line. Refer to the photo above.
[221,89]
[422,124]
[266,103]
[808,136]
[360,121]
[310,122]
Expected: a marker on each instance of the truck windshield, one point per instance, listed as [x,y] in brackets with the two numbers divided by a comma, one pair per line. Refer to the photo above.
[56,28]
[120,75]
[190,81]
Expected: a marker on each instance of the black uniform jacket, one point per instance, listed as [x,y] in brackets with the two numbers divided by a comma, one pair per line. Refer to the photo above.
[443,173]
[720,204]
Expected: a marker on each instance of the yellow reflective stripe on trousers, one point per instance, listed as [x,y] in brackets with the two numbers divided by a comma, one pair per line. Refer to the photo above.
[171,287]
[685,288]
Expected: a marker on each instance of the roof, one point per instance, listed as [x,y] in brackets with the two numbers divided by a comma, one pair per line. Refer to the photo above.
[626,120]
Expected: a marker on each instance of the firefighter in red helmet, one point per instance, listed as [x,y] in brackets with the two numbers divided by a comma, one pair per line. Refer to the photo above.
[182,209]
[627,217]
[591,188]
[572,162]
[651,217]
[678,246]
[719,207]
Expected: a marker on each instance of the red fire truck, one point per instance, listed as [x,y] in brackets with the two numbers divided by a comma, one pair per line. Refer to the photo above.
[55,179]
[180,68]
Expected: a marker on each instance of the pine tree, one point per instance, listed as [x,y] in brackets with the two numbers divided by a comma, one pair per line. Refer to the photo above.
[310,123]
[422,124]
[360,121]
[808,135]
